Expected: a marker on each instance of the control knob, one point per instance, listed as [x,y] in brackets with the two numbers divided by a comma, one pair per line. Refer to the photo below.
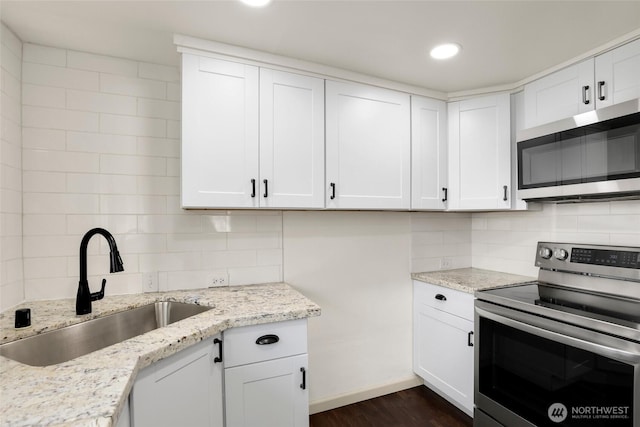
[561,254]
[545,253]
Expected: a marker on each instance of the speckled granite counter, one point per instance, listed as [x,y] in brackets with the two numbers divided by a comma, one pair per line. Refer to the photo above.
[91,390]
[470,279]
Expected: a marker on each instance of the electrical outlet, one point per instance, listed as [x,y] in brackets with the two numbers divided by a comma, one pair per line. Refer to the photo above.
[217,278]
[149,281]
[446,263]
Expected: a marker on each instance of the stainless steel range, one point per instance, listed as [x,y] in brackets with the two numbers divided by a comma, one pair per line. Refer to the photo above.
[563,350]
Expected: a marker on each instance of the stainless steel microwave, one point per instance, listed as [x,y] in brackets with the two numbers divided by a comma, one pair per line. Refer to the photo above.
[592,155]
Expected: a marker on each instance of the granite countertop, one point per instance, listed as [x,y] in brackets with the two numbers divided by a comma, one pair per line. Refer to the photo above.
[470,279]
[91,390]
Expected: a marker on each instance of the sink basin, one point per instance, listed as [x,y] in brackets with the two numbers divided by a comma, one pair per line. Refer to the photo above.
[73,341]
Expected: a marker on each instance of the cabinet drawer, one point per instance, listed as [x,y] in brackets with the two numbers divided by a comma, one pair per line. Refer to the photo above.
[280,339]
[448,300]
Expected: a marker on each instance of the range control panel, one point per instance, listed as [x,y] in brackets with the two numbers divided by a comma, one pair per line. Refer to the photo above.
[599,260]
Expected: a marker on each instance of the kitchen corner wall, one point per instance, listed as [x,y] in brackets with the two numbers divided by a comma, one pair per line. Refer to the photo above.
[101,148]
[11,276]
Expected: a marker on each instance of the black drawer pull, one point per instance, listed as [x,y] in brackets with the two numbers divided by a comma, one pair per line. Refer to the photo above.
[469,342]
[266,187]
[446,197]
[253,188]
[441,297]
[219,358]
[304,379]
[333,190]
[267,339]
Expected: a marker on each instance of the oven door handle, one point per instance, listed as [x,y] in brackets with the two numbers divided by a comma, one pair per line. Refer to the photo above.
[568,336]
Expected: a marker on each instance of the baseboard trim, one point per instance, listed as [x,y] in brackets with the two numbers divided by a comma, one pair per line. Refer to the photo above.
[359,396]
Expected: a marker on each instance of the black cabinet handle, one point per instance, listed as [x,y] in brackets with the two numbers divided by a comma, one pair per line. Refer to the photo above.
[441,297]
[585,100]
[504,197]
[253,188]
[469,335]
[446,196]
[219,358]
[333,190]
[267,339]
[266,188]
[601,96]
[304,379]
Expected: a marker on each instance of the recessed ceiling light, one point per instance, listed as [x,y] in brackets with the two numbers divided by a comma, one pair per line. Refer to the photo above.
[256,3]
[445,50]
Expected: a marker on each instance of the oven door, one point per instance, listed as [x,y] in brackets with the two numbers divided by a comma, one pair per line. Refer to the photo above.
[534,371]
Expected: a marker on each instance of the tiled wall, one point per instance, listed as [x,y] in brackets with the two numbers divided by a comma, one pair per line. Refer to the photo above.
[507,241]
[440,241]
[11,277]
[101,148]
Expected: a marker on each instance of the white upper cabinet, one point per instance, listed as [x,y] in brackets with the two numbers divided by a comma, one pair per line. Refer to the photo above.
[428,153]
[219,132]
[610,78]
[251,137]
[291,140]
[618,75]
[367,147]
[479,153]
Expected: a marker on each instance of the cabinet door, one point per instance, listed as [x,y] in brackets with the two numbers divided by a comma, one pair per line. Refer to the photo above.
[618,75]
[442,355]
[562,94]
[273,393]
[291,140]
[428,153]
[219,133]
[182,390]
[368,147]
[479,153]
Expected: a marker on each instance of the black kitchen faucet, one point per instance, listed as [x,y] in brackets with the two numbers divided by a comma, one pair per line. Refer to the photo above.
[84,297]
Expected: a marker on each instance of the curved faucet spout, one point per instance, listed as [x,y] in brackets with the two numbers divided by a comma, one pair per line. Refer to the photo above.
[84,296]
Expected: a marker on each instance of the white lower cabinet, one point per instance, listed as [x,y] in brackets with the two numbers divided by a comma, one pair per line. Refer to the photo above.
[443,342]
[266,382]
[184,390]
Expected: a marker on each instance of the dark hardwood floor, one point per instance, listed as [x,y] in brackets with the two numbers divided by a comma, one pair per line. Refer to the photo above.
[414,407]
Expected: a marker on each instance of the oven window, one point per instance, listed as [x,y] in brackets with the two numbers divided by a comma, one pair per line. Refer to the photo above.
[551,384]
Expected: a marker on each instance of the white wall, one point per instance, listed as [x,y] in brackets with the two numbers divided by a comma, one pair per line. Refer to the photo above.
[356,266]
[101,148]
[11,274]
[506,241]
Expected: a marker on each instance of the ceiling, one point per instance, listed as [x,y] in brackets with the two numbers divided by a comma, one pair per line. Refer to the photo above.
[503,41]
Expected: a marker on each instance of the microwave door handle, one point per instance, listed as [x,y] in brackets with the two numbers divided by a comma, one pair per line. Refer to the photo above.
[629,357]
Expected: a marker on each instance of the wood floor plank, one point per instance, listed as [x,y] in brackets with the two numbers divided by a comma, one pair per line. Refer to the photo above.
[414,407]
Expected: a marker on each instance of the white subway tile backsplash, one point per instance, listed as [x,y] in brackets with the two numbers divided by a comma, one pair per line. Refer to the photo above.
[173,167]
[131,125]
[176,261]
[116,224]
[251,275]
[45,246]
[158,72]
[226,259]
[41,268]
[11,41]
[45,139]
[101,63]
[604,223]
[100,102]
[53,118]
[133,165]
[11,132]
[173,129]
[47,75]
[128,204]
[44,55]
[100,184]
[158,185]
[59,161]
[170,224]
[132,86]
[44,224]
[43,96]
[254,240]
[103,143]
[197,242]
[174,92]
[43,182]
[159,147]
[158,109]
[11,61]
[54,203]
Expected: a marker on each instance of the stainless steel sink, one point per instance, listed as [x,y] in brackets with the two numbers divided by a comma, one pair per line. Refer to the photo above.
[73,341]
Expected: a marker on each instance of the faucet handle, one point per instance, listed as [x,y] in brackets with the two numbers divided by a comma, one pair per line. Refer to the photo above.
[100,294]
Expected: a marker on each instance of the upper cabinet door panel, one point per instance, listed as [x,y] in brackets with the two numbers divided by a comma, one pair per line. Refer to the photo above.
[368,147]
[479,153]
[428,153]
[618,75]
[219,133]
[564,93]
[291,140]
